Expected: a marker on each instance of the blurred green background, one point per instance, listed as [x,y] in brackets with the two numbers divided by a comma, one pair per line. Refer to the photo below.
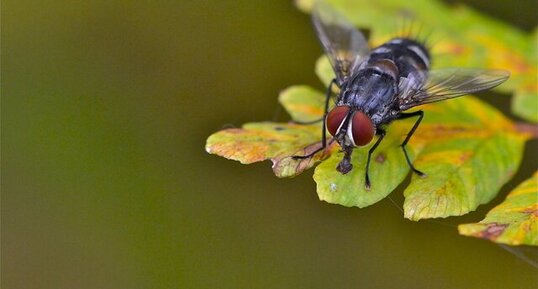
[106,106]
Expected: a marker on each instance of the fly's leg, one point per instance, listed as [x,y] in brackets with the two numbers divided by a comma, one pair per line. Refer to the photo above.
[381,133]
[323,129]
[420,115]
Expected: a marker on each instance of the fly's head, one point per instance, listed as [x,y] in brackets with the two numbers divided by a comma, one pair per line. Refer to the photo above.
[350,128]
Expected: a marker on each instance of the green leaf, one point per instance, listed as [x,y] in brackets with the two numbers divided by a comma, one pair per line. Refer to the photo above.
[462,37]
[463,173]
[303,103]
[324,70]
[469,151]
[525,104]
[277,142]
[514,221]
[525,101]
[387,170]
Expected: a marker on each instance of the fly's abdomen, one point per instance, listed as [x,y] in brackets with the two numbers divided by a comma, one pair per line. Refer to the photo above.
[411,58]
[408,55]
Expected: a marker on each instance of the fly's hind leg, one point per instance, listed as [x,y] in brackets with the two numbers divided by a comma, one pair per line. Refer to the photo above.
[420,115]
[323,128]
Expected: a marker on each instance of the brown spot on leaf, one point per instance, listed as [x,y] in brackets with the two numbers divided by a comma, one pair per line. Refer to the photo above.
[457,49]
[287,166]
[452,48]
[493,231]
[531,211]
[527,129]
[439,131]
[441,128]
[381,158]
[465,156]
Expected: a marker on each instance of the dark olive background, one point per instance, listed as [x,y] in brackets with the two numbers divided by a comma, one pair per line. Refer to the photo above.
[106,106]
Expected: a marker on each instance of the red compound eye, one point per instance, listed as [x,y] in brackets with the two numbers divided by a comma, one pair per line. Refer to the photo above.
[362,129]
[335,118]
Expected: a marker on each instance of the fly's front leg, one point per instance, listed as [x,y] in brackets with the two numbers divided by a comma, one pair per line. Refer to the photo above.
[381,133]
[323,129]
[420,115]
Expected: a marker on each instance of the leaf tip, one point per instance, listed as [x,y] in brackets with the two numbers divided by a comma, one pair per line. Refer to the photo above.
[411,215]
[208,149]
[303,5]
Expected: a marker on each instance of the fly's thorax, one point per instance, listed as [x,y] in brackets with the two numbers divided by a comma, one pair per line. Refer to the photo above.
[384,116]
[371,89]
[349,126]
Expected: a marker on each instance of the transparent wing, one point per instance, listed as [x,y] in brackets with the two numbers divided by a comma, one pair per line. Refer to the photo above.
[436,85]
[345,46]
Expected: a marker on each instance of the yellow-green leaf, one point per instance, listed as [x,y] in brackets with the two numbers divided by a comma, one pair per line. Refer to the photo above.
[514,221]
[324,70]
[388,169]
[469,150]
[277,142]
[463,172]
[303,103]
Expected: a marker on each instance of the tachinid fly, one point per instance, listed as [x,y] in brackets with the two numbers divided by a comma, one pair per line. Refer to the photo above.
[376,86]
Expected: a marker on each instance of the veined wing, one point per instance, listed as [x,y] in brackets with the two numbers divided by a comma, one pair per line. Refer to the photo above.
[345,46]
[436,85]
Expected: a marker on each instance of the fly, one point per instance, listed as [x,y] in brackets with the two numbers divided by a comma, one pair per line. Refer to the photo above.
[377,86]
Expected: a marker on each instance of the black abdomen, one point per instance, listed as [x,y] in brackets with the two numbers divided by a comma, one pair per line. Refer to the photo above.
[409,55]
